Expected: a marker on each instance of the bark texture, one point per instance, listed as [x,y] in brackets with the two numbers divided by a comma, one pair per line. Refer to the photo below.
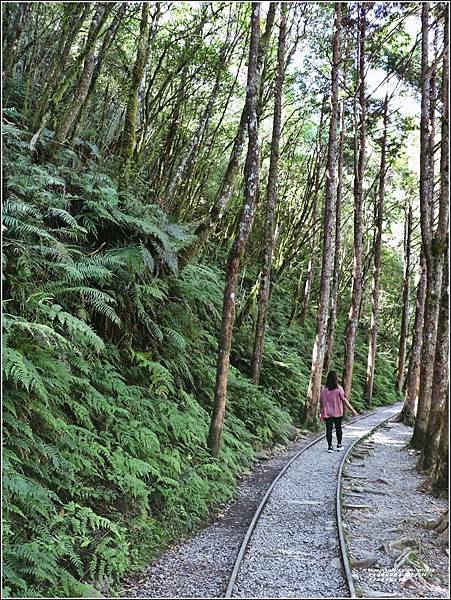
[368,392]
[244,227]
[271,191]
[405,302]
[440,382]
[314,388]
[434,244]
[351,327]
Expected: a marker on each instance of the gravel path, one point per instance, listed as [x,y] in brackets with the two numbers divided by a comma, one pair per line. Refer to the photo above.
[398,510]
[294,552]
[200,567]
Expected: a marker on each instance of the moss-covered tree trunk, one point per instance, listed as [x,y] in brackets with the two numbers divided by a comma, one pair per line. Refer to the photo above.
[84,82]
[244,227]
[128,138]
[65,77]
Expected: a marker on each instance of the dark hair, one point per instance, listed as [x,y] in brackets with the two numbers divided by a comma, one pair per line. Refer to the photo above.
[331,382]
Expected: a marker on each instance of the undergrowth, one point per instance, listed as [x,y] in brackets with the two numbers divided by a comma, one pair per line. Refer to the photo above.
[109,358]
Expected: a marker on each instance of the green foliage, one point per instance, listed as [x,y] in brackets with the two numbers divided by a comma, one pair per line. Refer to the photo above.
[109,368]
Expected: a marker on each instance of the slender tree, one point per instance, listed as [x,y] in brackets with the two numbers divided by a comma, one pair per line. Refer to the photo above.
[129,132]
[379,213]
[244,227]
[359,167]
[84,81]
[331,325]
[316,184]
[271,191]
[405,300]
[313,392]
[208,225]
[411,392]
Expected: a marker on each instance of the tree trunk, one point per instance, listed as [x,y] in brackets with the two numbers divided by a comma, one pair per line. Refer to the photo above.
[435,245]
[265,279]
[368,392]
[208,226]
[294,306]
[129,132]
[440,472]
[410,402]
[351,327]
[244,227]
[439,382]
[405,302]
[83,83]
[336,273]
[51,102]
[106,44]
[314,387]
[315,192]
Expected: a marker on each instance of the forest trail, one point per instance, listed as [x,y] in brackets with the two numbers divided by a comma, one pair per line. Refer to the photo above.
[294,543]
[211,210]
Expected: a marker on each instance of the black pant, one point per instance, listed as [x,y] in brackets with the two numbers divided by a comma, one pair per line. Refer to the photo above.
[329,425]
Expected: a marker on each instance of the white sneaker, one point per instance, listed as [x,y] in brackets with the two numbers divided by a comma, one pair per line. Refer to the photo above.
[339,448]
[331,450]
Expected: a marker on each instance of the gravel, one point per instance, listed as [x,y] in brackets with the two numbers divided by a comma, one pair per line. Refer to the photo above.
[401,511]
[293,552]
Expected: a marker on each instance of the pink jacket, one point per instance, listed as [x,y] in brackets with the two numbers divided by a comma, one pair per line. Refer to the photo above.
[331,402]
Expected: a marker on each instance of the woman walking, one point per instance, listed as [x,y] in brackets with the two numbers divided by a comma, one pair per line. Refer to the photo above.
[331,403]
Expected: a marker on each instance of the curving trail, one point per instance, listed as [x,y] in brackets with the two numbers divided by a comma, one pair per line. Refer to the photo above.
[293,552]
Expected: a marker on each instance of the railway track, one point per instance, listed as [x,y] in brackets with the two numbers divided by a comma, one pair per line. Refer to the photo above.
[354,431]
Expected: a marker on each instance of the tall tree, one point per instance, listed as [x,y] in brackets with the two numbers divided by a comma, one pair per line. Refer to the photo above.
[332,322]
[271,191]
[313,392]
[405,300]
[379,214]
[314,191]
[433,243]
[411,392]
[128,138]
[208,225]
[244,227]
[84,81]
[359,168]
